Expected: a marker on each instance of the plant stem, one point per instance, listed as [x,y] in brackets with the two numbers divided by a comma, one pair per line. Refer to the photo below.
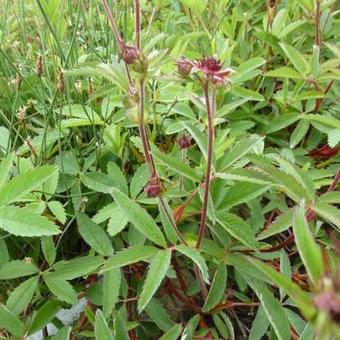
[209,163]
[113,24]
[138,24]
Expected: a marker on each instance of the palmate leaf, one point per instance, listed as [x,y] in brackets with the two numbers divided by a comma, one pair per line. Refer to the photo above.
[61,289]
[21,185]
[142,221]
[158,267]
[22,222]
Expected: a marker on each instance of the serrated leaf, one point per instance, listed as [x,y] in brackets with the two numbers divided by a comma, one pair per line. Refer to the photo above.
[16,268]
[22,222]
[196,257]
[101,328]
[217,288]
[240,149]
[61,289]
[238,228]
[159,315]
[300,297]
[58,211]
[43,316]
[10,322]
[284,72]
[173,333]
[309,251]
[296,58]
[158,267]
[139,217]
[200,138]
[281,223]
[98,181]
[139,180]
[274,311]
[282,121]
[77,267]
[129,256]
[22,295]
[48,248]
[328,212]
[94,235]
[111,286]
[21,185]
[299,133]
[334,138]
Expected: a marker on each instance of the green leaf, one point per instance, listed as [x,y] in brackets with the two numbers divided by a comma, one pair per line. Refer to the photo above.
[159,315]
[334,138]
[283,121]
[158,267]
[61,289]
[5,168]
[260,325]
[281,223]
[22,222]
[142,221]
[115,173]
[200,138]
[111,286]
[238,228]
[330,197]
[217,288]
[43,316]
[102,330]
[22,295]
[77,267]
[328,212]
[48,248]
[15,269]
[196,257]
[173,333]
[243,147]
[300,297]
[58,211]
[98,181]
[325,120]
[120,326]
[274,311]
[309,251]
[176,165]
[19,186]
[246,93]
[139,180]
[296,58]
[196,6]
[245,175]
[241,193]
[129,256]
[166,218]
[94,235]
[284,72]
[10,322]
[299,133]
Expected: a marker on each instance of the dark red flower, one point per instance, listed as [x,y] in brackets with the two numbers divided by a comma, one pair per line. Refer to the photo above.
[184,66]
[153,188]
[213,70]
[184,142]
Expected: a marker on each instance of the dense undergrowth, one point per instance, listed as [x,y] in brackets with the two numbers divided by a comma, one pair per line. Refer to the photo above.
[174,162]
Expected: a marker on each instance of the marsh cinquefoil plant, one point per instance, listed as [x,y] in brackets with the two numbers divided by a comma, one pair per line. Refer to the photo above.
[174,164]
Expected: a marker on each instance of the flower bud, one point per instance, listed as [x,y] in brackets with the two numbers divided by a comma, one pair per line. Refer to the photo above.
[184,66]
[184,142]
[129,54]
[153,188]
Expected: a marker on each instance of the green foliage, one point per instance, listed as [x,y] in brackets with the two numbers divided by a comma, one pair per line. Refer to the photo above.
[103,167]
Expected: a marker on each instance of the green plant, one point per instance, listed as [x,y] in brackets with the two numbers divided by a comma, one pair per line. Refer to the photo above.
[176,163]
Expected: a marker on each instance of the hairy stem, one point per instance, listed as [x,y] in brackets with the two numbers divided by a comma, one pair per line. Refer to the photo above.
[138,24]
[115,31]
[209,163]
